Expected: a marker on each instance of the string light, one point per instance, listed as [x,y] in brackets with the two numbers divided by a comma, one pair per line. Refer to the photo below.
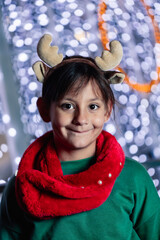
[12,132]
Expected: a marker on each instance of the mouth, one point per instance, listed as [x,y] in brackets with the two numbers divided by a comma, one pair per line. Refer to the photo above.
[79,131]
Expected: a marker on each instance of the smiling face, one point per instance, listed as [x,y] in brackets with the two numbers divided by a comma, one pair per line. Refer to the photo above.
[78,119]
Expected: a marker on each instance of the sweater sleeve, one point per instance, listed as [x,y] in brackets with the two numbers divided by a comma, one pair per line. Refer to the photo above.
[9,213]
[146,212]
[151,228]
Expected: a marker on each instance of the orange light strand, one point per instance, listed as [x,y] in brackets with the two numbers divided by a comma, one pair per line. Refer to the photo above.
[146,87]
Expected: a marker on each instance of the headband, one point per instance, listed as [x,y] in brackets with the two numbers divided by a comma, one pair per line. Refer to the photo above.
[51,58]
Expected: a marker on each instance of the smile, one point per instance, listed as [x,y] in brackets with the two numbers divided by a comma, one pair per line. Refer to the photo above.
[79,132]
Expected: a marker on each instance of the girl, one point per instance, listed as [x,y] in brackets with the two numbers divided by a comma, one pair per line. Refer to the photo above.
[74,182]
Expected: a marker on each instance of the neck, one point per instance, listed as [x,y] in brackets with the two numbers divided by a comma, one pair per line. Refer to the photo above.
[71,155]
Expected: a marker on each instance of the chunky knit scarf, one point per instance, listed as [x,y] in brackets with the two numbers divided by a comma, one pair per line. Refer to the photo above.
[44,192]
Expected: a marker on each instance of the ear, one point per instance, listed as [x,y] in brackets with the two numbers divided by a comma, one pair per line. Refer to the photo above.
[43,110]
[108,112]
[116,78]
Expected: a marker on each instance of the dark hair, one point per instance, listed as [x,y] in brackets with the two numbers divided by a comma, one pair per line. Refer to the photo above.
[61,78]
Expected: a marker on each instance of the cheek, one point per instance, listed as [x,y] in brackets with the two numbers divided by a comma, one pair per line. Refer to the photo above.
[99,121]
[60,120]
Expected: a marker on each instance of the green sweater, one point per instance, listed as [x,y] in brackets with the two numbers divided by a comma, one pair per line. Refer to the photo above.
[131,212]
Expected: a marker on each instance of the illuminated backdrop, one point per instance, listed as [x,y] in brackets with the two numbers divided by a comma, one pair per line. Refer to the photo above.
[85,27]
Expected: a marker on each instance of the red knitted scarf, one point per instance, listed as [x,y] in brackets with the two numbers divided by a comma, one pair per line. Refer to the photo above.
[44,192]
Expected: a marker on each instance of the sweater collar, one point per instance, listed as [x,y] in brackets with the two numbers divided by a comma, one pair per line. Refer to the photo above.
[77,166]
[44,192]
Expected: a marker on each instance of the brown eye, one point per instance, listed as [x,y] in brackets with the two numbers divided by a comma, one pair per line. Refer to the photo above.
[67,106]
[93,106]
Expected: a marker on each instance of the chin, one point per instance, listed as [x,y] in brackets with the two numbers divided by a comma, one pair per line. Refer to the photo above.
[81,145]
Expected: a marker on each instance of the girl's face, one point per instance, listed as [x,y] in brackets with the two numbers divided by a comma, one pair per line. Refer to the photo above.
[78,119]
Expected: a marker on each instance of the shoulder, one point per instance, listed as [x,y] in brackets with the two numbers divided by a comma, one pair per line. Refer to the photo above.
[135,184]
[135,169]
[140,183]
[133,164]
[137,180]
[9,191]
[8,198]
[10,211]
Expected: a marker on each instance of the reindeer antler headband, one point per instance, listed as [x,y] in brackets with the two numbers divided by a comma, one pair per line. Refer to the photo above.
[49,55]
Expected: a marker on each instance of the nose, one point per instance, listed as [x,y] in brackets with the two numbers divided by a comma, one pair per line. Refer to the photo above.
[80,117]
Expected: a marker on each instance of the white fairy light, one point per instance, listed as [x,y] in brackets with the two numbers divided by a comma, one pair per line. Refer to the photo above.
[66,14]
[126,16]
[11,7]
[70,52]
[2,182]
[28,26]
[6,118]
[142,158]
[24,80]
[126,37]
[30,71]
[13,15]
[128,136]
[122,141]
[136,123]
[92,47]
[7,2]
[122,24]
[39,3]
[84,54]
[17,22]
[118,11]
[156,152]
[12,28]
[32,108]
[74,43]
[133,149]
[133,99]
[61,1]
[148,141]
[123,99]
[59,28]
[64,21]
[130,2]
[112,35]
[12,132]
[90,6]
[123,119]
[4,148]
[87,26]
[79,12]
[151,171]
[23,57]
[28,41]
[73,5]
[19,43]
[33,86]
[17,160]
[110,128]
[145,102]
[43,19]
[156,182]
[39,132]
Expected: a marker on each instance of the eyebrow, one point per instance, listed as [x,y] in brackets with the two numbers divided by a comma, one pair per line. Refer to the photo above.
[90,100]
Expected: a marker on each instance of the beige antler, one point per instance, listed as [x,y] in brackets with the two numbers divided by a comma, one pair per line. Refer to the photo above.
[40,70]
[48,54]
[110,59]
